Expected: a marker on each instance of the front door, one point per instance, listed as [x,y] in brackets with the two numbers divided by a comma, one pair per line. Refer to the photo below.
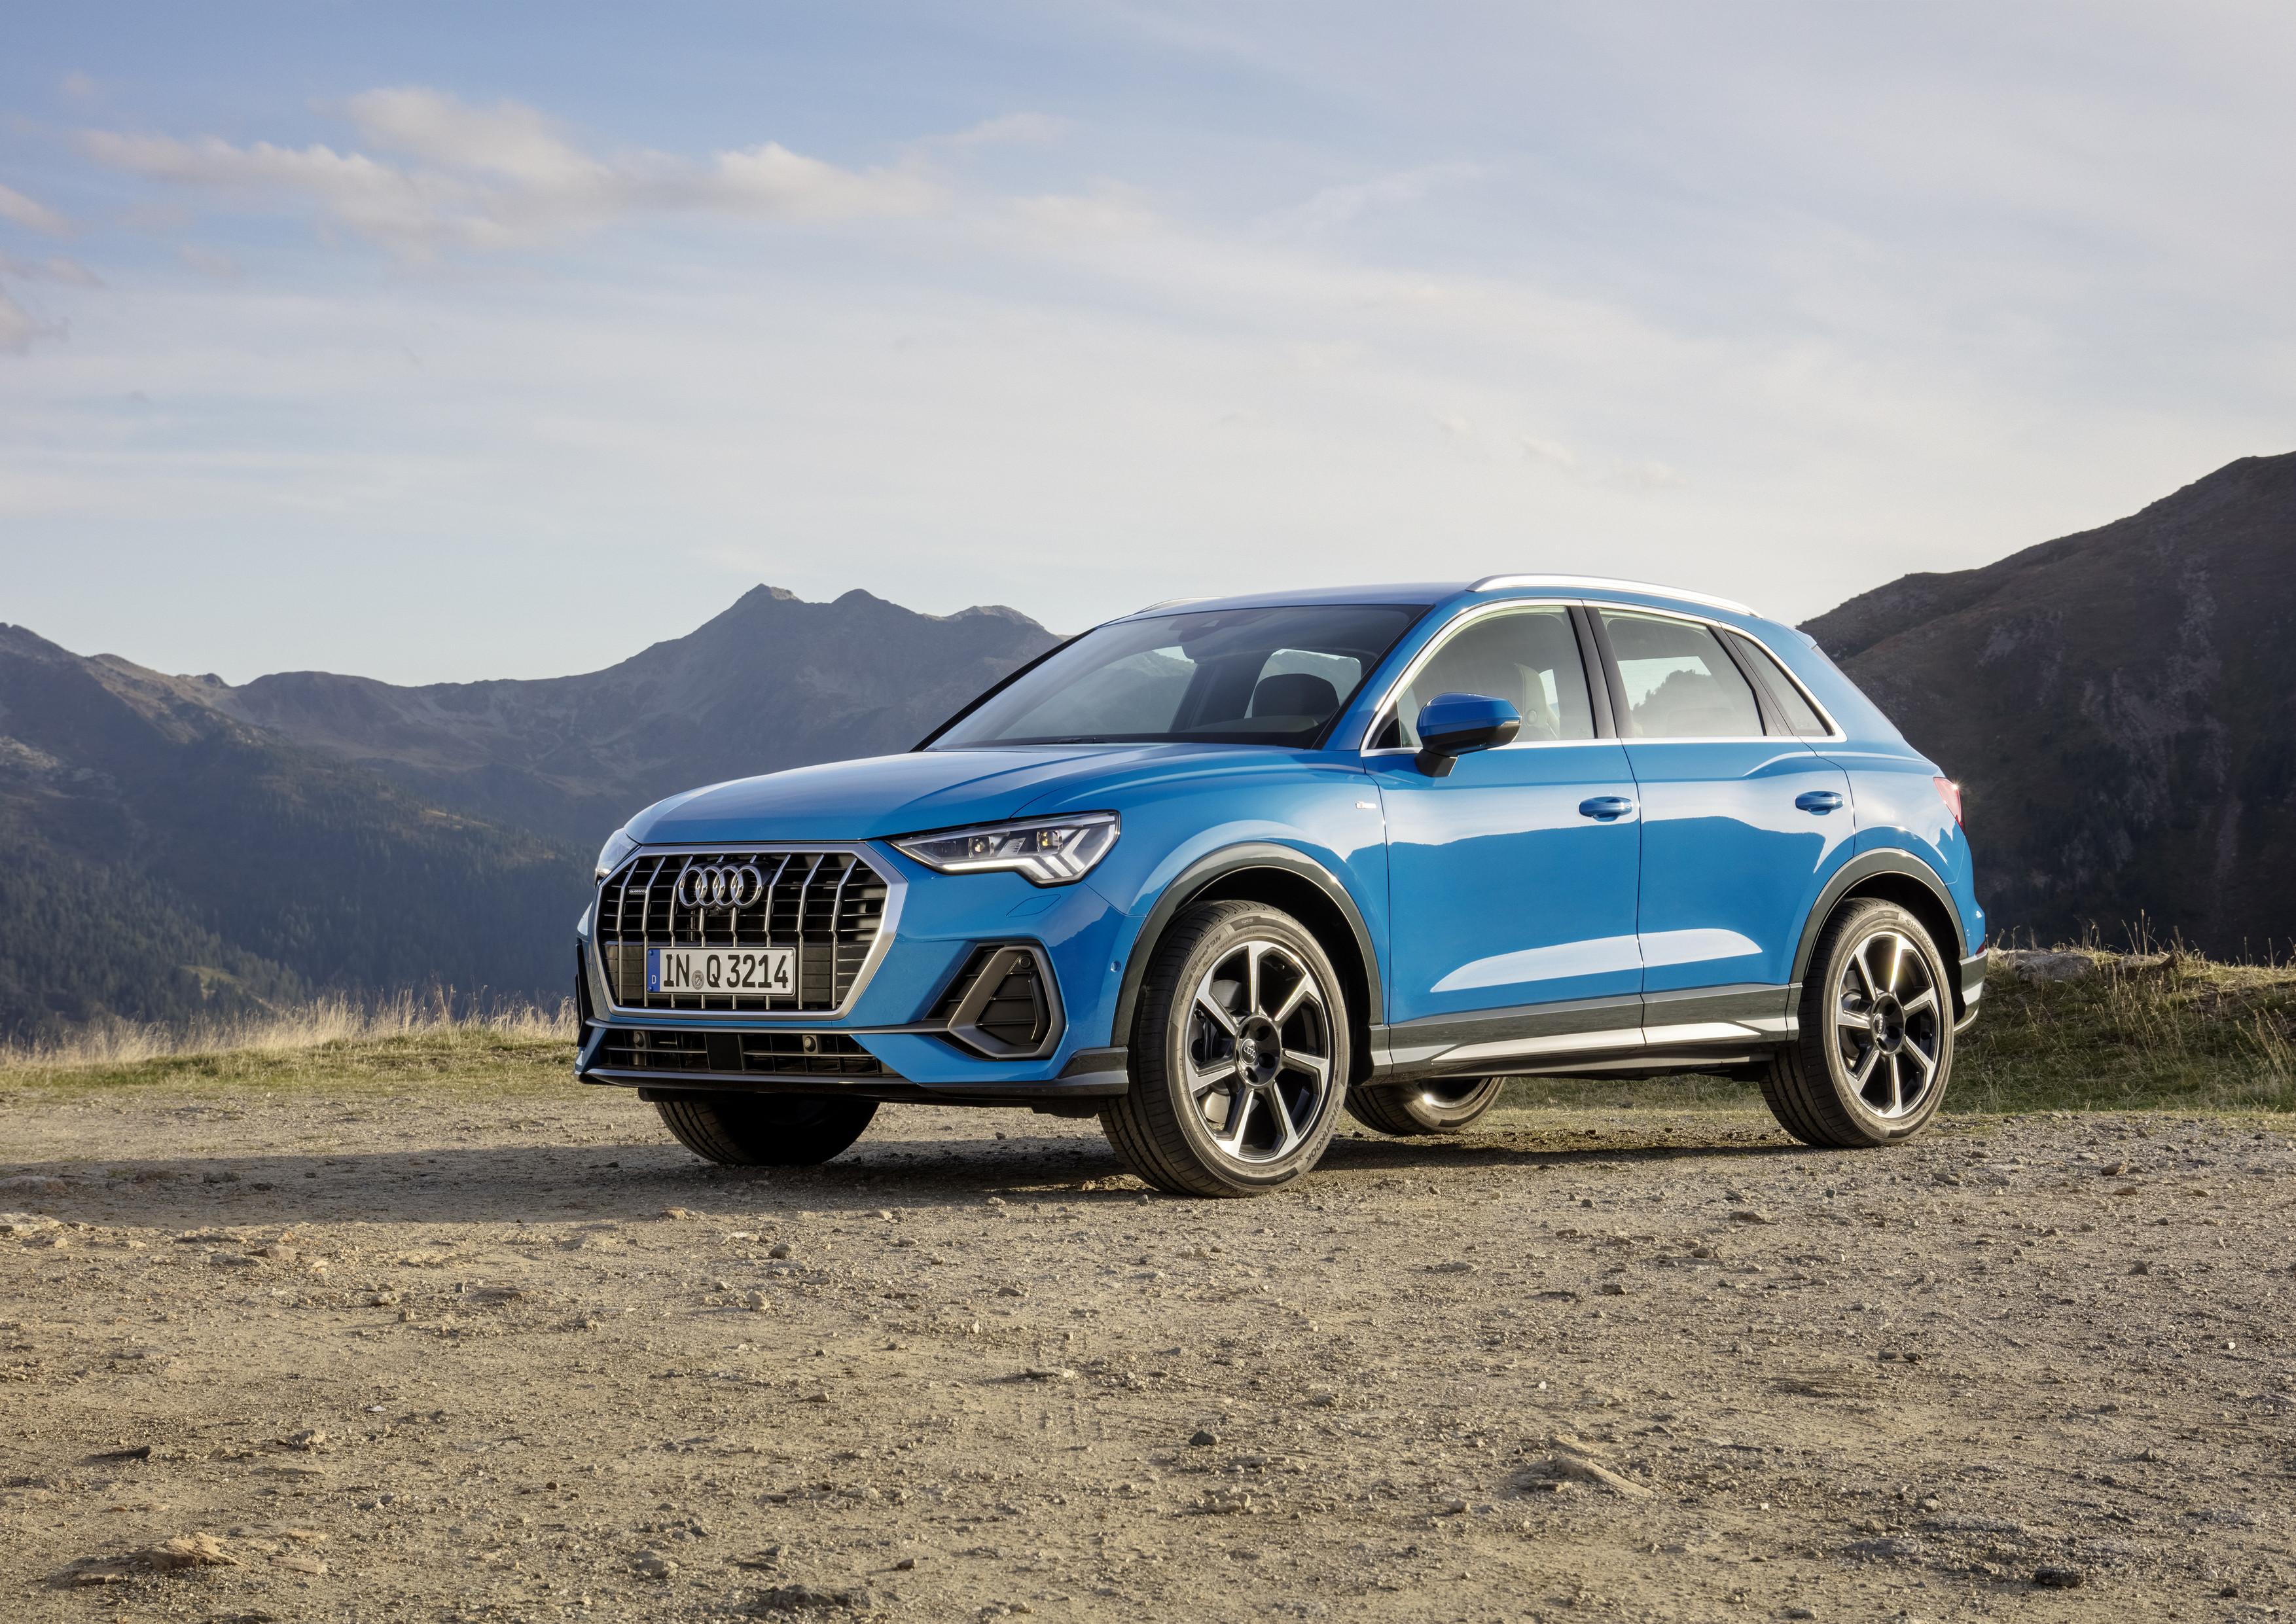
[1741,824]
[1513,879]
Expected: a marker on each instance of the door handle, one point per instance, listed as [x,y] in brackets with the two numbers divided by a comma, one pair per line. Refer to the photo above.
[1819,800]
[1604,807]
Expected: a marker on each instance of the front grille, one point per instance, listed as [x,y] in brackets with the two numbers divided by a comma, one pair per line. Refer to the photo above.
[772,1054]
[826,906]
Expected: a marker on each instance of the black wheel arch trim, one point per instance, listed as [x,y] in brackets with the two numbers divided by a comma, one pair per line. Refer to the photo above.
[1199,876]
[1868,865]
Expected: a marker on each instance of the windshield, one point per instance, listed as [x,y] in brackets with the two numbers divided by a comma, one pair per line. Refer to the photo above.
[1222,675]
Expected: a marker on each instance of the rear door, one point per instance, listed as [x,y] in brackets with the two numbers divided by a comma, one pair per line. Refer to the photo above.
[1741,823]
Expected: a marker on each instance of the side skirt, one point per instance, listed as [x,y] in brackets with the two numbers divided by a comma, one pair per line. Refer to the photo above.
[1709,1028]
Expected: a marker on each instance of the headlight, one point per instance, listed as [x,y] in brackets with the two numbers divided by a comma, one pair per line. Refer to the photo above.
[619,845]
[1050,851]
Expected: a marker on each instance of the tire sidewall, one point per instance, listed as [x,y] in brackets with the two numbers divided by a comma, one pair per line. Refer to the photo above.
[1856,931]
[1167,1008]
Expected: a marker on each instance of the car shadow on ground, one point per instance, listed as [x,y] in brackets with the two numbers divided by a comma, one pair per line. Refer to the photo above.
[545,1183]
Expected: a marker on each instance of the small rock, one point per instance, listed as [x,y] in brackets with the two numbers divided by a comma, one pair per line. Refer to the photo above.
[310,1439]
[779,1249]
[679,1213]
[1750,1215]
[2037,965]
[652,1565]
[812,1598]
[2060,1579]
[1888,1547]
[757,1302]
[1203,1438]
[1049,1373]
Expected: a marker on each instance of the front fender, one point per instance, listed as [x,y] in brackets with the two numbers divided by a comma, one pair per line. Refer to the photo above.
[1323,825]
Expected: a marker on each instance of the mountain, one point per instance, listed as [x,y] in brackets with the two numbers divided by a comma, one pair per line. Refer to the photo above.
[2120,708]
[174,844]
[160,858]
[773,682]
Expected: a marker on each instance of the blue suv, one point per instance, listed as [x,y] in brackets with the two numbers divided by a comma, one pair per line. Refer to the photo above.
[1219,869]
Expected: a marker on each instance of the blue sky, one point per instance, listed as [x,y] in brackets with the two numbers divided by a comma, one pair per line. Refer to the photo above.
[445,342]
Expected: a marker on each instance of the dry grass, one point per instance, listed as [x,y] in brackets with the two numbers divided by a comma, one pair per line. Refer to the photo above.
[2168,1031]
[334,1042]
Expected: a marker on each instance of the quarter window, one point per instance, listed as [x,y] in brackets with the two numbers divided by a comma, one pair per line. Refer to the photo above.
[1528,657]
[1795,713]
[1680,683]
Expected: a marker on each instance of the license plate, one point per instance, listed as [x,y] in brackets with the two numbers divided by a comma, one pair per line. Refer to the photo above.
[771,970]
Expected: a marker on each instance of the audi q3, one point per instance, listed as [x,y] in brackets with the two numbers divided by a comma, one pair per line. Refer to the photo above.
[1219,872]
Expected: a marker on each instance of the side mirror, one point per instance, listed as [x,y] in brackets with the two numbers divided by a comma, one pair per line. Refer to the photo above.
[1450,725]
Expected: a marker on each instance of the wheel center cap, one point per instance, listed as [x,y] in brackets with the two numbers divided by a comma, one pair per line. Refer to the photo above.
[1886,1022]
[1260,1049]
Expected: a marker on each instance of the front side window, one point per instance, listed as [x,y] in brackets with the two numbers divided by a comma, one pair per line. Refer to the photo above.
[1226,676]
[1528,657]
[1680,682]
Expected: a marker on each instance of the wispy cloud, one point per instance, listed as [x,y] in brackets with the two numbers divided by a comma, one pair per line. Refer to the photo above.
[57,268]
[454,174]
[32,215]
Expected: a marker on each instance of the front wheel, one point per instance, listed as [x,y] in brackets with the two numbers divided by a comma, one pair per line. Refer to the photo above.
[1444,1106]
[766,1130]
[1874,1052]
[1239,1055]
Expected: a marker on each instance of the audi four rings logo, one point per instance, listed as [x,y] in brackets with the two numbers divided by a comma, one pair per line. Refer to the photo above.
[722,886]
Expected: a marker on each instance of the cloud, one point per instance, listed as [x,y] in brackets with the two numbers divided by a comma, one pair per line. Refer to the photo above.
[18,327]
[498,176]
[1336,206]
[208,262]
[71,273]
[21,210]
[1008,129]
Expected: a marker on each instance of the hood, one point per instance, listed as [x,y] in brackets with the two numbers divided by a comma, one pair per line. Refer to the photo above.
[891,795]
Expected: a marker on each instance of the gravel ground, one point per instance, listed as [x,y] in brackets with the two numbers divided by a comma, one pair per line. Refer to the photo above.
[434,1357]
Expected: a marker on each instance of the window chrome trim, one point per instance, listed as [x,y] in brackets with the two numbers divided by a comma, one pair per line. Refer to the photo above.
[1834,734]
[897,889]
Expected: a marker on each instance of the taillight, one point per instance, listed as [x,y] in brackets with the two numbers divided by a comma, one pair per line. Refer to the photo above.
[1950,792]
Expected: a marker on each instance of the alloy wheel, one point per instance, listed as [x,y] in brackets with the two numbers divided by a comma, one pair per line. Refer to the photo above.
[1258,1052]
[1889,1024]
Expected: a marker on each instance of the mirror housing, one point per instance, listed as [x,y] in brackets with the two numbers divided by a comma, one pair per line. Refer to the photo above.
[1451,725]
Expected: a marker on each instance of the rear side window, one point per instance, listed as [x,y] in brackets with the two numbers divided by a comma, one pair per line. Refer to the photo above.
[1787,702]
[1680,682]
[1528,657]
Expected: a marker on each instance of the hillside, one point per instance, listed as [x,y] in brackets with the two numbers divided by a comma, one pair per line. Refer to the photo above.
[159,859]
[2120,707]
[172,845]
[773,682]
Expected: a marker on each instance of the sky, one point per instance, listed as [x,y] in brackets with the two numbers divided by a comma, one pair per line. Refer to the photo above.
[439,342]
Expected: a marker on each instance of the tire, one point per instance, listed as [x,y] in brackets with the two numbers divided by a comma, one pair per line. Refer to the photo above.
[1874,1052]
[1239,1055]
[766,1130]
[1444,1106]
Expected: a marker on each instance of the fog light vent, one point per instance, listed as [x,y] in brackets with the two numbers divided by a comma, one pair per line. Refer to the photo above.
[1002,1003]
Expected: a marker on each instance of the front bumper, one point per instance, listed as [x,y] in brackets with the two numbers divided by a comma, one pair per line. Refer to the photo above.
[908,1033]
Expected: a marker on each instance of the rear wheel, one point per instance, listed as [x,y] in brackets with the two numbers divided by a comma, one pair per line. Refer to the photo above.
[1444,1106]
[766,1130]
[1239,1055]
[1874,1052]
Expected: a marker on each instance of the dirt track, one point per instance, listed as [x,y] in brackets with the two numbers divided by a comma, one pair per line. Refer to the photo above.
[414,1361]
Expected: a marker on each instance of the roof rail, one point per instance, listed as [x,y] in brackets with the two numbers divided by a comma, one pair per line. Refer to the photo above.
[1492,583]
